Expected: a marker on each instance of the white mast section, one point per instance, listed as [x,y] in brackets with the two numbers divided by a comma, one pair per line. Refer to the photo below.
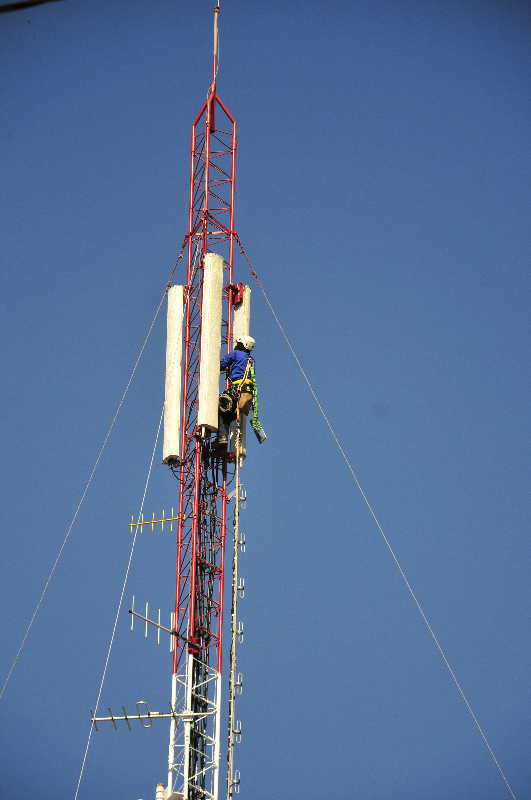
[232,729]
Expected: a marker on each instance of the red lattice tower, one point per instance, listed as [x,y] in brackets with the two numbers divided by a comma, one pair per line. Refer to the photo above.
[203,476]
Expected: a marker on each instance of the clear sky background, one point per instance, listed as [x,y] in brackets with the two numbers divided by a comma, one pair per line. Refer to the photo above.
[383,195]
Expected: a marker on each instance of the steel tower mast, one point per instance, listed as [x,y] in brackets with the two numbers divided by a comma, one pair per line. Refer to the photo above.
[195,744]
[208,477]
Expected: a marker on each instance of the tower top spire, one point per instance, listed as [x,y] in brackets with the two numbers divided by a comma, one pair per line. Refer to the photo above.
[215,47]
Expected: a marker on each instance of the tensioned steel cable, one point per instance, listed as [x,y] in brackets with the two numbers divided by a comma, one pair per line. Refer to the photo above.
[91,476]
[22,5]
[120,601]
[350,468]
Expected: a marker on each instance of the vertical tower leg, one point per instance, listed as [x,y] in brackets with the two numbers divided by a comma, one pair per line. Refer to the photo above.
[234,625]
[217,728]
[187,721]
[173,735]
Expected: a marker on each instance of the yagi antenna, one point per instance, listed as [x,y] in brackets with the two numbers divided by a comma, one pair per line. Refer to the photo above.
[155,623]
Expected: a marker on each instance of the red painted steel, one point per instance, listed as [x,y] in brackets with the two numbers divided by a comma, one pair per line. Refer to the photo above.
[203,479]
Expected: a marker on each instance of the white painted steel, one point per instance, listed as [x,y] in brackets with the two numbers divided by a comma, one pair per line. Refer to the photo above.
[207,414]
[241,319]
[182,784]
[217,737]
[187,723]
[173,734]
[172,396]
[232,786]
[233,433]
[243,437]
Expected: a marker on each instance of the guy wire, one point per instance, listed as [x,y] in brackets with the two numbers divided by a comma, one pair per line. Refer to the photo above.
[120,601]
[90,477]
[377,522]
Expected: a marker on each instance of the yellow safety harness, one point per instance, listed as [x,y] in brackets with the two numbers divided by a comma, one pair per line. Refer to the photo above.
[243,384]
[248,384]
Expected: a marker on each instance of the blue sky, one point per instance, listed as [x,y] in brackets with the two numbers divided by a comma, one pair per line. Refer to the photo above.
[383,195]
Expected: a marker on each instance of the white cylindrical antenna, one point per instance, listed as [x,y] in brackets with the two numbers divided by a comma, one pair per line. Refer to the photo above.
[241,320]
[241,326]
[207,415]
[172,397]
